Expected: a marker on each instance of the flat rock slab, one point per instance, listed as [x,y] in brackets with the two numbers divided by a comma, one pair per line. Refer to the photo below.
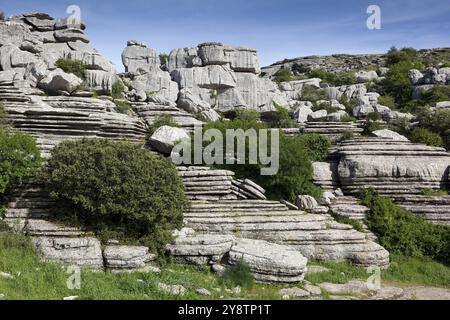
[127,257]
[269,261]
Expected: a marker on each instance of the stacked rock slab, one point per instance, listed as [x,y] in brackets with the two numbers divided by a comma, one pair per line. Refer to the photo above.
[30,212]
[391,167]
[334,131]
[55,119]
[435,209]
[203,183]
[314,236]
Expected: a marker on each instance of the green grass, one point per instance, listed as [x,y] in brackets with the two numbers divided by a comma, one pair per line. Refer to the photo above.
[35,279]
[429,192]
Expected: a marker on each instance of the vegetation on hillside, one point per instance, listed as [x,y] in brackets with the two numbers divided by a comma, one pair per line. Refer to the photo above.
[116,189]
[75,67]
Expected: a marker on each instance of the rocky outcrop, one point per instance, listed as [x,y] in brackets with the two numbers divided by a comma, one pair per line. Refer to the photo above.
[391,167]
[32,43]
[120,258]
[165,138]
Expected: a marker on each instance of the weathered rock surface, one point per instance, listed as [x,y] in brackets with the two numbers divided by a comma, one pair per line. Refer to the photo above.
[120,258]
[269,261]
[165,138]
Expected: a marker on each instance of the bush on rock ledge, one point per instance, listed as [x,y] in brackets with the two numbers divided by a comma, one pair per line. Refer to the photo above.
[116,189]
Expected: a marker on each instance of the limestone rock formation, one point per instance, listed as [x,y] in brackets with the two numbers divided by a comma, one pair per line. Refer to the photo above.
[165,137]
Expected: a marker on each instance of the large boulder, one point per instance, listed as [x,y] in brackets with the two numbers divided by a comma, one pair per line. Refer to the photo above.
[157,86]
[302,113]
[268,261]
[137,58]
[122,258]
[165,137]
[57,81]
[365,76]
[385,133]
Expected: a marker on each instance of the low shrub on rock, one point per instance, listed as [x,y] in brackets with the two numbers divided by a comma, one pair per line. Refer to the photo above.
[425,136]
[75,67]
[19,159]
[437,121]
[116,189]
[402,232]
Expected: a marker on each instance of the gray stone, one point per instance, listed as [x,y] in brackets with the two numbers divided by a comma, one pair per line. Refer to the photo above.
[58,80]
[288,293]
[313,290]
[176,290]
[71,34]
[301,114]
[165,137]
[385,133]
[305,202]
[203,292]
[365,76]
[121,257]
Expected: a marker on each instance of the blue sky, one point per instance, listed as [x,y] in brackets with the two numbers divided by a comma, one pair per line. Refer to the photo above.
[278,29]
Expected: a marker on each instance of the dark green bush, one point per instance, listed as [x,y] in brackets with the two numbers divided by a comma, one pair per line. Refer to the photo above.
[397,83]
[19,159]
[5,122]
[117,90]
[281,118]
[395,56]
[437,121]
[425,136]
[284,75]
[374,116]
[313,94]
[388,101]
[75,67]
[401,231]
[295,155]
[238,274]
[116,189]
[163,57]
[436,94]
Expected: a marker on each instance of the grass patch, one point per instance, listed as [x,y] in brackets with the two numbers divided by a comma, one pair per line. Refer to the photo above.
[430,192]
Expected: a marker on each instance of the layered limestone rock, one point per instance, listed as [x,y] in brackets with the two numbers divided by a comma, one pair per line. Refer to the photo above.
[55,119]
[333,130]
[391,167]
[32,43]
[435,209]
[120,258]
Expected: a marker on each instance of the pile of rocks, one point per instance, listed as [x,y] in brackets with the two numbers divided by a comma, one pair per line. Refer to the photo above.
[203,183]
[32,43]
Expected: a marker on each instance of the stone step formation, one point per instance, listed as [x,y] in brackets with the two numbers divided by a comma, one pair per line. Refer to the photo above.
[52,120]
[334,131]
[30,212]
[149,112]
[400,170]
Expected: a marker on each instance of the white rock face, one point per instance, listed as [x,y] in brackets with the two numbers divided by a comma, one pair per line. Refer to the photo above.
[157,86]
[385,133]
[269,261]
[443,105]
[57,81]
[137,58]
[305,202]
[301,114]
[165,137]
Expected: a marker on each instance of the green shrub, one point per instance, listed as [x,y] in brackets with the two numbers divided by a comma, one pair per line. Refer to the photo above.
[357,225]
[163,57]
[281,118]
[19,159]
[425,136]
[371,126]
[313,94]
[284,75]
[347,135]
[123,106]
[395,56]
[117,90]
[437,121]
[402,232]
[75,67]
[430,192]
[295,155]
[5,122]
[238,274]
[333,79]
[116,189]
[436,94]
[347,118]
[374,116]
[162,120]
[388,101]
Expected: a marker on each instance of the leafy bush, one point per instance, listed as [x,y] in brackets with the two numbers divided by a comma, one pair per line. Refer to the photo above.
[436,94]
[284,75]
[281,118]
[425,136]
[401,231]
[163,57]
[122,106]
[388,101]
[75,67]
[5,122]
[238,274]
[295,155]
[19,159]
[437,121]
[117,90]
[371,126]
[374,116]
[117,190]
[333,79]
[313,94]
[430,192]
[395,56]
[397,82]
